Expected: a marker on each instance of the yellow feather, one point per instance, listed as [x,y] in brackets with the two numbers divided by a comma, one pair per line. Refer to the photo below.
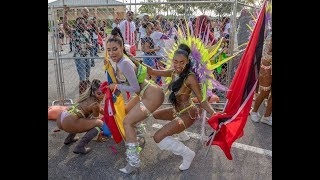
[214,66]
[215,49]
[249,27]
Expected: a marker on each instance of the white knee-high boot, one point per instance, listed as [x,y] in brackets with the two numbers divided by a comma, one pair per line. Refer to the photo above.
[178,148]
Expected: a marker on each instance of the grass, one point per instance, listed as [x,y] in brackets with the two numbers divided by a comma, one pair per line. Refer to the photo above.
[108,31]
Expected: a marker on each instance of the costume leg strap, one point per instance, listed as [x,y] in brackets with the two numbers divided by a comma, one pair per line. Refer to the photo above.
[145,109]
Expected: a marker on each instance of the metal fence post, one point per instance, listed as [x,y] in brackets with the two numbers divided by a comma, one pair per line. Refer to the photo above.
[232,40]
[57,62]
[55,49]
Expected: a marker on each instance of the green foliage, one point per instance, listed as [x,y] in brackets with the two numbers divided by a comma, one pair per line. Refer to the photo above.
[148,8]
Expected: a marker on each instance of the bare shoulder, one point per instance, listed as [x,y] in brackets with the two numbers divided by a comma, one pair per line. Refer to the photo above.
[191,79]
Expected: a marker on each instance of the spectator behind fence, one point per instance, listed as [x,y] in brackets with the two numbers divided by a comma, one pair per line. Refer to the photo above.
[61,33]
[128,30]
[149,48]
[93,30]
[226,28]
[158,37]
[142,29]
[83,116]
[85,14]
[243,30]
[115,23]
[202,27]
[82,45]
[265,85]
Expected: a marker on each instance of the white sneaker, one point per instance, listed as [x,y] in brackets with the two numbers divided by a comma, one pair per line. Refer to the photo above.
[267,120]
[255,116]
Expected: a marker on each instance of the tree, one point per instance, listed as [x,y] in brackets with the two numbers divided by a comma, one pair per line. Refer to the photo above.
[149,9]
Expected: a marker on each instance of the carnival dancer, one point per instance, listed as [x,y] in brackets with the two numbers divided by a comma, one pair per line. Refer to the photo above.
[131,77]
[265,85]
[83,116]
[184,112]
[190,72]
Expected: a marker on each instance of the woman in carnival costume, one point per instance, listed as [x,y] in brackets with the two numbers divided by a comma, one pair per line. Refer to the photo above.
[265,85]
[191,73]
[132,77]
[184,112]
[265,75]
[83,116]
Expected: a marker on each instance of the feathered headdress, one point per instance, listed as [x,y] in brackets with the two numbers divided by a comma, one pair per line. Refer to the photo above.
[202,59]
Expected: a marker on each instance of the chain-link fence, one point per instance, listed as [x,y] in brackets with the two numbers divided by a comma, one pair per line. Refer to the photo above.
[69,70]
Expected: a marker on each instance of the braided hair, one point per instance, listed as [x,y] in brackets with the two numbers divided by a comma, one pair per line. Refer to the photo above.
[95,84]
[176,85]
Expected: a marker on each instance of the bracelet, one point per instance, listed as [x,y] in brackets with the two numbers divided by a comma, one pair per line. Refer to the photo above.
[115,88]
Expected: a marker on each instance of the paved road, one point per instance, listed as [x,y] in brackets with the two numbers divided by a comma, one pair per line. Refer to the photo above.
[252,157]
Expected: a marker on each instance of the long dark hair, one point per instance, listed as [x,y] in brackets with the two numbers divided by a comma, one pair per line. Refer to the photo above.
[118,38]
[176,85]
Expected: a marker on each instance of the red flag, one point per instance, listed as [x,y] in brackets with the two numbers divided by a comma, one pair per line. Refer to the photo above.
[109,111]
[240,96]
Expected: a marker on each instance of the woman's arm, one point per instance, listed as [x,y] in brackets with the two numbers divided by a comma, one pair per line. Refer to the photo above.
[157,72]
[102,111]
[194,85]
[95,110]
[128,71]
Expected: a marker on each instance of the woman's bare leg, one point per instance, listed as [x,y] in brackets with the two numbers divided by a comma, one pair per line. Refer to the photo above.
[164,114]
[151,100]
[262,95]
[132,103]
[137,114]
[80,125]
[173,127]
[269,107]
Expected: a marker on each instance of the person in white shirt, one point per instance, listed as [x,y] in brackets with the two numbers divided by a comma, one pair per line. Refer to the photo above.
[226,27]
[128,30]
[159,38]
[142,30]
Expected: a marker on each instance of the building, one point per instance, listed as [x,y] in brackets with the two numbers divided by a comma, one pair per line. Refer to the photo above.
[98,8]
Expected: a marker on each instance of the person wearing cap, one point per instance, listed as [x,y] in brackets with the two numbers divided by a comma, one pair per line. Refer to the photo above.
[128,30]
